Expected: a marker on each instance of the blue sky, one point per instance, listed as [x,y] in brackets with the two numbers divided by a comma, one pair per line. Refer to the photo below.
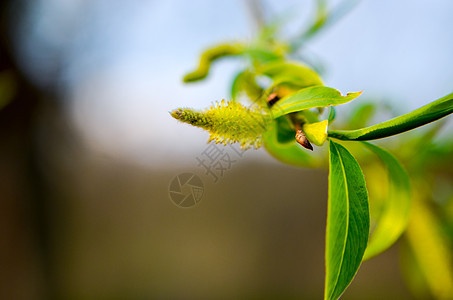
[121,62]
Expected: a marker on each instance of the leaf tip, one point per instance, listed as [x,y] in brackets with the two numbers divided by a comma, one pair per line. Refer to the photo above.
[355,94]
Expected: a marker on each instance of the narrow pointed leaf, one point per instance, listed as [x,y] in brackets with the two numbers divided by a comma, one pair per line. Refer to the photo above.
[348,222]
[419,117]
[316,96]
[293,72]
[395,214]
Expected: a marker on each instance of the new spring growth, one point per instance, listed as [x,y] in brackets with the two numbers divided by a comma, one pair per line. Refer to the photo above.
[228,122]
[209,56]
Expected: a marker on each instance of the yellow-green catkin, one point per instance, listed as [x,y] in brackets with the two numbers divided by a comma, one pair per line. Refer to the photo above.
[209,56]
[228,122]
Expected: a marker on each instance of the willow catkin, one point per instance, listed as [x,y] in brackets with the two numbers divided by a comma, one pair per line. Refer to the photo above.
[228,122]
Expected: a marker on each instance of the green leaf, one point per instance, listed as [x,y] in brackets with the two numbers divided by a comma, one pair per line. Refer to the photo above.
[290,152]
[332,115]
[348,221]
[419,117]
[285,130]
[316,132]
[238,84]
[429,242]
[395,214]
[295,73]
[262,55]
[316,96]
[245,81]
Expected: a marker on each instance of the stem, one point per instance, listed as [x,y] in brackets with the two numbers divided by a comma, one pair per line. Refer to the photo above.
[256,10]
[419,117]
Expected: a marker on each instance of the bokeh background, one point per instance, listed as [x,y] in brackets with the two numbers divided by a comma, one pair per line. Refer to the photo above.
[88,148]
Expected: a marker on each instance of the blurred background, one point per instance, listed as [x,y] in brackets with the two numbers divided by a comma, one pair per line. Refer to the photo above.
[88,148]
